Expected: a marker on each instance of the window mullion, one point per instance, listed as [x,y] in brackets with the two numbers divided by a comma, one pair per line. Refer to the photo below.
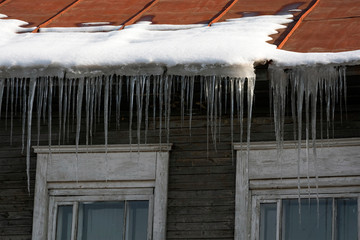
[358,217]
[74,221]
[125,218]
[333,220]
[278,219]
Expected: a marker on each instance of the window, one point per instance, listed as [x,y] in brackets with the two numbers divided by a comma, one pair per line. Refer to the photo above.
[313,219]
[267,202]
[114,193]
[126,219]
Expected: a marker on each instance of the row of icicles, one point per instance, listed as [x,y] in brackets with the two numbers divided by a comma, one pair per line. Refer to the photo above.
[90,98]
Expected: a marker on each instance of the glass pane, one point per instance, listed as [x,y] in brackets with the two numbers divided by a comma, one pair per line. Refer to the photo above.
[101,220]
[346,219]
[64,222]
[312,224]
[268,221]
[137,220]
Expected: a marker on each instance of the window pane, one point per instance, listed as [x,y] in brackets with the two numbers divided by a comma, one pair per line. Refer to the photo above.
[311,224]
[64,222]
[137,220]
[101,220]
[268,221]
[346,219]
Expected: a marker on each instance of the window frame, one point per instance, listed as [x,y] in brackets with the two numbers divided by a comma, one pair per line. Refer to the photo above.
[133,172]
[258,178]
[277,199]
[56,201]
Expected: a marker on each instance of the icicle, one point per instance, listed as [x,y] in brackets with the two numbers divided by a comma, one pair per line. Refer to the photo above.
[23,116]
[192,80]
[2,84]
[169,87]
[279,89]
[73,104]
[69,108]
[106,121]
[12,87]
[161,80]
[147,108]
[40,98]
[21,94]
[118,101]
[7,100]
[250,99]
[111,78]
[61,90]
[313,132]
[132,81]
[307,148]
[45,100]
[155,87]
[16,95]
[231,81]
[226,94]
[50,92]
[241,114]
[140,86]
[182,98]
[87,107]
[220,106]
[32,86]
[65,108]
[207,90]
[78,119]
[201,90]
[92,107]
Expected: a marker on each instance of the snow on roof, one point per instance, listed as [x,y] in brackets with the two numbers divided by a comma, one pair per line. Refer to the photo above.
[227,48]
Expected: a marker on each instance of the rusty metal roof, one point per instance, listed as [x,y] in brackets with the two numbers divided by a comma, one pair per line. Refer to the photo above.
[319,25]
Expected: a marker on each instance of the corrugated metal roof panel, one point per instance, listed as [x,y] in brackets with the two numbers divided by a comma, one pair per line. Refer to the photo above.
[34,12]
[264,7]
[113,11]
[330,35]
[185,11]
[332,26]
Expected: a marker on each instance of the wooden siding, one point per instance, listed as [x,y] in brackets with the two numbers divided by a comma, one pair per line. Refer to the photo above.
[201,196]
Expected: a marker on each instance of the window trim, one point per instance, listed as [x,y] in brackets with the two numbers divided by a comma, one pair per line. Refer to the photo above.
[50,187]
[263,155]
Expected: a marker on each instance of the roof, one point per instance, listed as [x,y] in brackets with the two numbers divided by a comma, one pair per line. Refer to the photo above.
[319,26]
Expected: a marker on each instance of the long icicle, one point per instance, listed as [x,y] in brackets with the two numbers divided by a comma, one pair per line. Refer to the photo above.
[32,87]
[79,99]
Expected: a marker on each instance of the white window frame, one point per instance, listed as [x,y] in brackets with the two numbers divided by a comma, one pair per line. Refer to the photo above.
[69,174]
[261,177]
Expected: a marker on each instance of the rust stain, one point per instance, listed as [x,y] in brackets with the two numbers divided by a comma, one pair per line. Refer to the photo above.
[139,14]
[56,15]
[222,13]
[286,38]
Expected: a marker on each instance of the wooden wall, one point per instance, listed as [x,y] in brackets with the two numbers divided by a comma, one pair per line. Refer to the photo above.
[201,179]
